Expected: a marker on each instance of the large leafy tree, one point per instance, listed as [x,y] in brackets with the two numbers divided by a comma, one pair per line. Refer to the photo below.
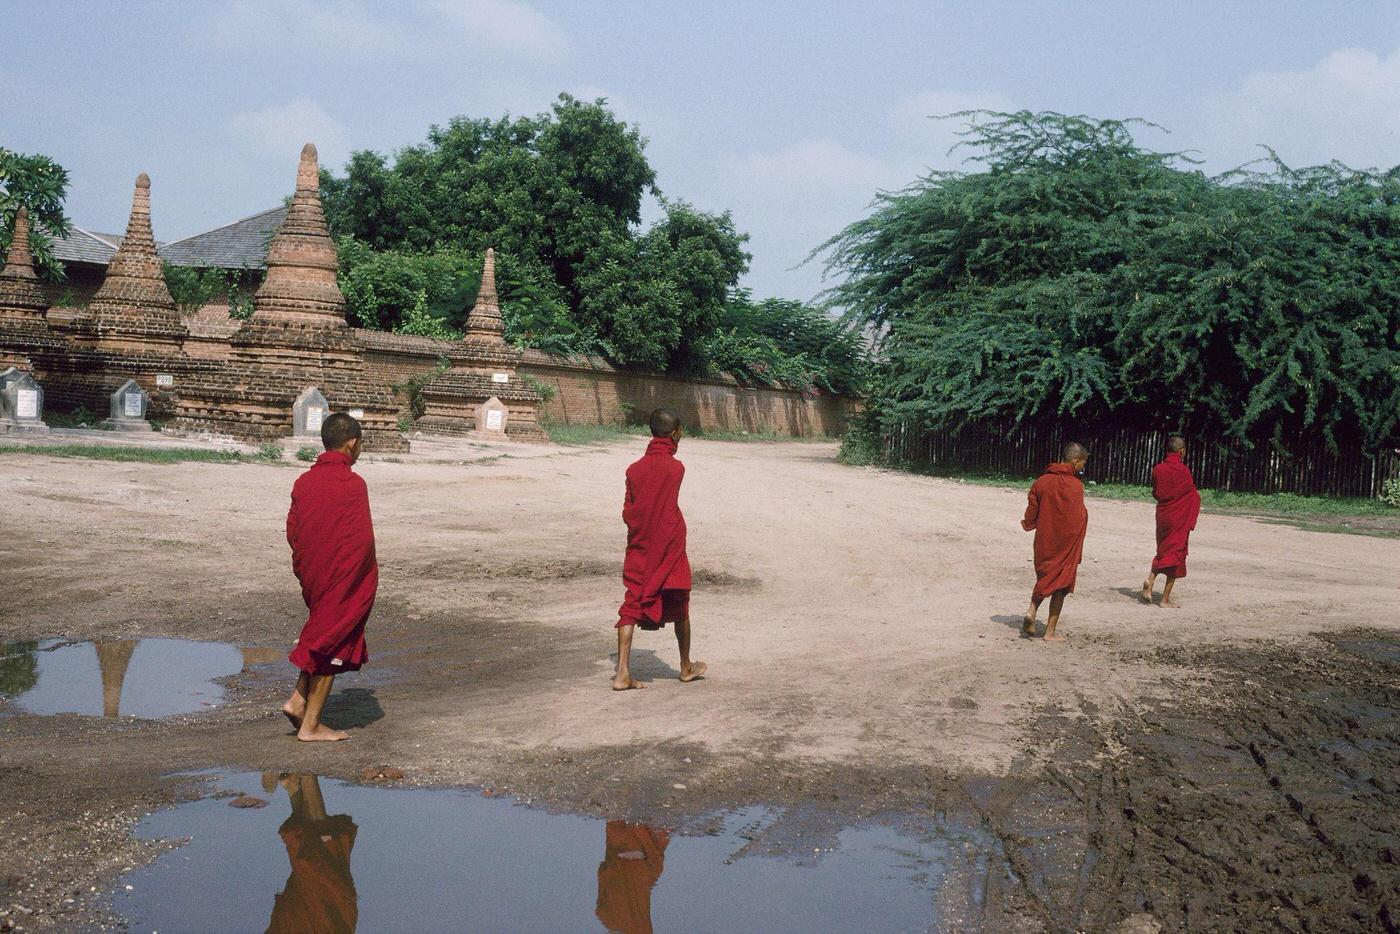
[559,196]
[40,184]
[1078,274]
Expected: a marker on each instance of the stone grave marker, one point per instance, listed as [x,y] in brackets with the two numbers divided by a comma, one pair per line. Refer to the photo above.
[21,402]
[308,412]
[491,417]
[128,412]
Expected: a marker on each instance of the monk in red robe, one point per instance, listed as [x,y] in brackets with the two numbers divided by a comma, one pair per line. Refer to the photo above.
[1055,511]
[655,570]
[1178,508]
[632,862]
[332,541]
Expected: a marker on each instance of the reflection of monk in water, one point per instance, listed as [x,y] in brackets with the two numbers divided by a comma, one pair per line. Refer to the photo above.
[635,856]
[320,894]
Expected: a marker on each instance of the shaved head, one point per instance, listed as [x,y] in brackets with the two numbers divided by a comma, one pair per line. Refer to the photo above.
[338,430]
[664,422]
[1073,451]
[1176,444]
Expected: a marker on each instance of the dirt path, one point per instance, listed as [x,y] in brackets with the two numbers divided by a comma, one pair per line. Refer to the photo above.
[860,626]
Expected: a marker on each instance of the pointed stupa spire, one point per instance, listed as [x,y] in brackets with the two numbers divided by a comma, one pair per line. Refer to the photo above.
[484,320]
[133,304]
[20,295]
[300,287]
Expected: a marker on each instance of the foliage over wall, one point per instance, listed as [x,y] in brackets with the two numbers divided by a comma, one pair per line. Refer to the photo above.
[559,197]
[1078,274]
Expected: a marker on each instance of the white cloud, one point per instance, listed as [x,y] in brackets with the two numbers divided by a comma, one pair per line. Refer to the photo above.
[344,27]
[811,168]
[509,26]
[1346,106]
[282,129]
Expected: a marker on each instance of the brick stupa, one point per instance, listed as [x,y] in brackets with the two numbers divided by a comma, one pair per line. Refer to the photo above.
[296,339]
[130,330]
[483,368]
[26,341]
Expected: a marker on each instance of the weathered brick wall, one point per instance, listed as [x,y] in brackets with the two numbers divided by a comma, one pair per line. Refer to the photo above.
[590,392]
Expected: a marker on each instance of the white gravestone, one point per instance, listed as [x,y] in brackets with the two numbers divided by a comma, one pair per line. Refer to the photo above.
[491,417]
[128,408]
[21,402]
[308,412]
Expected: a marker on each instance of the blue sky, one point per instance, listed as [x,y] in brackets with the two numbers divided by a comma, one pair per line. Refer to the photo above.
[792,115]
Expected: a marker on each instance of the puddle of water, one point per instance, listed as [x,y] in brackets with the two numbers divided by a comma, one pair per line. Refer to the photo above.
[145,678]
[329,856]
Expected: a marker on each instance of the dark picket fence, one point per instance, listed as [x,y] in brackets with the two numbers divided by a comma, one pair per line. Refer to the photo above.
[1126,455]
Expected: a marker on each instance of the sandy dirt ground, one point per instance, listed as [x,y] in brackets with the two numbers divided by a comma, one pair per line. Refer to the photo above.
[861,631]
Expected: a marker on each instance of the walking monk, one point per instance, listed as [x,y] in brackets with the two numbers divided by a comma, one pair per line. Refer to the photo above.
[1055,511]
[655,571]
[332,542]
[1178,508]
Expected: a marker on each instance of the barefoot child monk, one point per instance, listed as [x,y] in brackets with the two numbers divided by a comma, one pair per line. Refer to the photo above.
[1178,508]
[332,542]
[1055,511]
[655,571]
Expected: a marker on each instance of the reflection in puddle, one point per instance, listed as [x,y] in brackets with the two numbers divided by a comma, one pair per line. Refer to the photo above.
[147,678]
[441,860]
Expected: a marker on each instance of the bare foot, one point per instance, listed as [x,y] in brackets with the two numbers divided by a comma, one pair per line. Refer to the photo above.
[1170,603]
[1054,637]
[1028,625]
[696,670]
[631,684]
[291,714]
[322,734]
[1147,591]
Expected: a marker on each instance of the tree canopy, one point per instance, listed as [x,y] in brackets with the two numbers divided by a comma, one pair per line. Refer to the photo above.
[40,184]
[1079,274]
[559,196]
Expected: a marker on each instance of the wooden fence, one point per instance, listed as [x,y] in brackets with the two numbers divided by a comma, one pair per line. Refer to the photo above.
[1126,455]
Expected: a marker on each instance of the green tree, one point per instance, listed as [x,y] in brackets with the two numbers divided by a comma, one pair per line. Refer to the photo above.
[1078,274]
[40,184]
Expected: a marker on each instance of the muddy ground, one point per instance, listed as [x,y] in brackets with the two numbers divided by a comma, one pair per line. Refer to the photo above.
[1229,765]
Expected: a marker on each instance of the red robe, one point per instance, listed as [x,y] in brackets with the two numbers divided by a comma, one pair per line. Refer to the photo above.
[1178,507]
[332,541]
[1055,510]
[320,893]
[655,571]
[625,883]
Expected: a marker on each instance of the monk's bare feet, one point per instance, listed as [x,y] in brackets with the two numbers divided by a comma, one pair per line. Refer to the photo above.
[1169,603]
[293,715]
[1147,591]
[1054,637]
[696,670]
[1028,625]
[627,684]
[322,734]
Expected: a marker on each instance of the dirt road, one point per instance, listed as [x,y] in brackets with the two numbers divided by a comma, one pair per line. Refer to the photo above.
[860,627]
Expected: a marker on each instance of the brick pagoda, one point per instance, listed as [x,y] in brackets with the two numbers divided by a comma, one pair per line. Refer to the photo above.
[296,339]
[26,341]
[483,368]
[130,330]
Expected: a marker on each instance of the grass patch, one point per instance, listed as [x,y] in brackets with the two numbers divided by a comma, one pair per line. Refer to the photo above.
[1315,513]
[144,455]
[601,434]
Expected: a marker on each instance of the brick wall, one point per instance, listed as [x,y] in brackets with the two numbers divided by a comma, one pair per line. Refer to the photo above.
[590,392]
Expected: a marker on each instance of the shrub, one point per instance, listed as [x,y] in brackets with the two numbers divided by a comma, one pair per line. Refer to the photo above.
[1391,492]
[307,453]
[269,451]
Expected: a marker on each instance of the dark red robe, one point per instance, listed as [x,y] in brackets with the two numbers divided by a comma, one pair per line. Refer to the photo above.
[625,882]
[1055,510]
[655,571]
[332,541]
[1178,508]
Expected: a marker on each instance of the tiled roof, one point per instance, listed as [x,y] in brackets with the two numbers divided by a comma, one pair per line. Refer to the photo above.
[85,246]
[240,244]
